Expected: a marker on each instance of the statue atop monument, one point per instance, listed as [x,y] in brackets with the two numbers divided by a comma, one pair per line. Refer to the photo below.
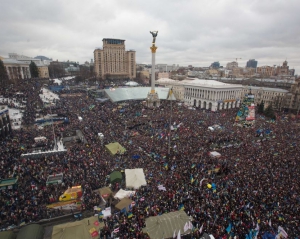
[154,34]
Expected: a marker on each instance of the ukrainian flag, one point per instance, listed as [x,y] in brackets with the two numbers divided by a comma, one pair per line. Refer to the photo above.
[280,217]
[193,165]
[181,207]
[100,215]
[130,215]
[192,179]
[166,166]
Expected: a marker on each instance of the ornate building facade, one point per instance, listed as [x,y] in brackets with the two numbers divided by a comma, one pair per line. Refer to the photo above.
[291,101]
[113,62]
[16,69]
[213,95]
[283,70]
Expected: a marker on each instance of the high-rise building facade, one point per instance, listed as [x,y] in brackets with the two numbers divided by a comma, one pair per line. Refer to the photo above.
[265,71]
[252,63]
[215,65]
[231,65]
[113,61]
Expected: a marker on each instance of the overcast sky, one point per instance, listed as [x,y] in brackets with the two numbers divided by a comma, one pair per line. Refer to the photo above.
[191,32]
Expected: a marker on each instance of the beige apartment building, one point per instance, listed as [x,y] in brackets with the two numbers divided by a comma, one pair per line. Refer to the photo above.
[43,71]
[283,70]
[291,100]
[265,71]
[113,61]
[163,75]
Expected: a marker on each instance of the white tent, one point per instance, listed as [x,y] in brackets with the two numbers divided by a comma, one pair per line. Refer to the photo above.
[39,139]
[214,154]
[123,194]
[131,83]
[135,178]
[106,213]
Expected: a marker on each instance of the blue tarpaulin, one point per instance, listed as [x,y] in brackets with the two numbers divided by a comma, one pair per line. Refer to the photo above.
[136,156]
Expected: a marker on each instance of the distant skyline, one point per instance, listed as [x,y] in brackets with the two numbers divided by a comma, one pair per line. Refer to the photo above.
[195,32]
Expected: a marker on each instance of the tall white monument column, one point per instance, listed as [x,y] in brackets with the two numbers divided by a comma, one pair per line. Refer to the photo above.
[152,97]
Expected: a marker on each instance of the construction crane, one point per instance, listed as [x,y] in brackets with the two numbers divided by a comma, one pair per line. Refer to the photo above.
[236,59]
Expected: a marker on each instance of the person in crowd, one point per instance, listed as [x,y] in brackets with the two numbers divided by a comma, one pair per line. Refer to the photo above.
[255,182]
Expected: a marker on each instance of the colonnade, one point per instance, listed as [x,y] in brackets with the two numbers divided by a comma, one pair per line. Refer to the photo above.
[213,99]
[17,72]
[212,94]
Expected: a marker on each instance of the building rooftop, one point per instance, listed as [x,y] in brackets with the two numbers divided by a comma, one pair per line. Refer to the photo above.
[135,93]
[267,89]
[208,83]
[164,80]
[277,80]
[14,61]
[113,41]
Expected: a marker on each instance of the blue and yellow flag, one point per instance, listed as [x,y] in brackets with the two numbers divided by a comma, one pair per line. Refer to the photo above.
[130,215]
[192,179]
[166,166]
[193,165]
[181,207]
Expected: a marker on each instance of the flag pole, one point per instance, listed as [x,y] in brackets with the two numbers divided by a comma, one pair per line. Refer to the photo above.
[169,147]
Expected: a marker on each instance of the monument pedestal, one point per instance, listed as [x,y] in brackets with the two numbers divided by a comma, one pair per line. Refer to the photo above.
[153,100]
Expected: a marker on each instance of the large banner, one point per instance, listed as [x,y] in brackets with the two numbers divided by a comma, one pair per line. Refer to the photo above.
[251,113]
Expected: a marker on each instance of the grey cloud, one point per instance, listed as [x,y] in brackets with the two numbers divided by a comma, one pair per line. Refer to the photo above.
[190,32]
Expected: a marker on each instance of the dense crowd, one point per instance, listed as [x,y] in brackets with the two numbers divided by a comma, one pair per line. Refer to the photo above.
[256,178]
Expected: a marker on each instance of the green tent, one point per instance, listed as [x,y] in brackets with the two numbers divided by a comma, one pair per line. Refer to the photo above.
[115,148]
[78,229]
[164,226]
[115,177]
[32,231]
[7,235]
[8,183]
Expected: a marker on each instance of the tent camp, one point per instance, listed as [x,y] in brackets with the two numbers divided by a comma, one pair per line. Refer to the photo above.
[9,183]
[214,154]
[32,231]
[115,177]
[135,178]
[55,179]
[115,148]
[105,192]
[164,226]
[124,203]
[106,213]
[7,235]
[123,194]
[78,229]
